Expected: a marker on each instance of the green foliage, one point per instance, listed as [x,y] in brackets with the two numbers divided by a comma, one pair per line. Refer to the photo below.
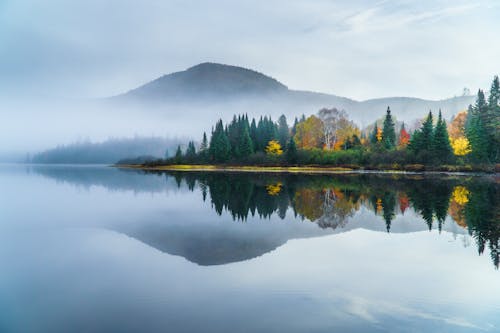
[441,147]
[220,148]
[389,132]
[283,131]
[291,152]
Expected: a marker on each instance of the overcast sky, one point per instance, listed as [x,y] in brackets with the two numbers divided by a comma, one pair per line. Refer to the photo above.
[359,49]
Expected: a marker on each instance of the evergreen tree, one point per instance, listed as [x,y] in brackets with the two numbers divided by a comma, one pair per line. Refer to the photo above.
[220,147]
[191,150]
[476,130]
[294,127]
[204,143]
[178,154]
[476,134]
[373,135]
[427,133]
[389,133]
[441,147]
[253,135]
[291,151]
[283,131]
[245,145]
[493,120]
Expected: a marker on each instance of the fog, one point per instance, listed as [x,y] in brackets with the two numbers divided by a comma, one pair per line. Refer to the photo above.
[60,60]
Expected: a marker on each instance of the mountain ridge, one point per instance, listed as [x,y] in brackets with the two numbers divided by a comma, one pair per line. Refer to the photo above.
[241,88]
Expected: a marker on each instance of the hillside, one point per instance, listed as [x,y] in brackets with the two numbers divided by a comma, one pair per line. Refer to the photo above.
[230,89]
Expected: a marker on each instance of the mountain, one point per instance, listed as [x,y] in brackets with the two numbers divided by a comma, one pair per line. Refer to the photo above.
[209,80]
[225,90]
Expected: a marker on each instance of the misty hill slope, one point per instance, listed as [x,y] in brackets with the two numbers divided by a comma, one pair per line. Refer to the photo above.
[232,89]
[209,80]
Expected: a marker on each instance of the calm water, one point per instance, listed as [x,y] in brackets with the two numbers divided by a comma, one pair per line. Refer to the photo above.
[96,249]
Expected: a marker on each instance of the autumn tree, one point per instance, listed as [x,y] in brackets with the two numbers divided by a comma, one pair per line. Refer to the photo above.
[274,148]
[333,120]
[404,137]
[309,133]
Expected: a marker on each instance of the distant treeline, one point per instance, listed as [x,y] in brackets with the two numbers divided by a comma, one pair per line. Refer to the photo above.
[330,138]
[139,149]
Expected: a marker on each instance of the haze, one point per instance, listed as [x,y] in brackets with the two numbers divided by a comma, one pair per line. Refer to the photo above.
[56,54]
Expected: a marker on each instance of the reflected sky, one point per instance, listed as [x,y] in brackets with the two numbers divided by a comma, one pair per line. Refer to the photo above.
[99,249]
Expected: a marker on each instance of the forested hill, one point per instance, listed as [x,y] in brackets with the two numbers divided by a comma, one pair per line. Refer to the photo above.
[109,151]
[240,90]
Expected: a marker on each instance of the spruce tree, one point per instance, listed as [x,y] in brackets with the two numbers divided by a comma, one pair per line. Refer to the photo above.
[191,150]
[204,143]
[373,135]
[389,132]
[220,147]
[178,154]
[291,151]
[493,117]
[427,133]
[283,131]
[441,147]
[245,146]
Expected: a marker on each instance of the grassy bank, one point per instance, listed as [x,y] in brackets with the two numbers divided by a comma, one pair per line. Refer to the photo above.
[309,168]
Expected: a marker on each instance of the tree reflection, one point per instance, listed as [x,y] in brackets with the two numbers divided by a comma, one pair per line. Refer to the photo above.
[331,201]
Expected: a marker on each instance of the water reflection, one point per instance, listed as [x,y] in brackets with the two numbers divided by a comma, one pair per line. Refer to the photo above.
[330,201]
[334,203]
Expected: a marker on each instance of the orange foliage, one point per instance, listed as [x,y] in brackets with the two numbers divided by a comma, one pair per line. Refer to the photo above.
[456,128]
[404,138]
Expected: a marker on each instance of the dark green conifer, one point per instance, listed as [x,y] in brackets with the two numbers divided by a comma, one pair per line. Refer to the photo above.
[389,132]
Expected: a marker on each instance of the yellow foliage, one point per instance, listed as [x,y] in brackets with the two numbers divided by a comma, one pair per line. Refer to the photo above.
[460,195]
[460,146]
[274,189]
[274,148]
[379,134]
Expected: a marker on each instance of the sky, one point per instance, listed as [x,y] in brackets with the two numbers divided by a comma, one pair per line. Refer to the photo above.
[358,49]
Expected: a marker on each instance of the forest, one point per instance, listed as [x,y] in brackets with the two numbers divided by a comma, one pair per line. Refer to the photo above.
[469,141]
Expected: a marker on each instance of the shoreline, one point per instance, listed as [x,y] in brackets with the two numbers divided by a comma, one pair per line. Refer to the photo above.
[293,169]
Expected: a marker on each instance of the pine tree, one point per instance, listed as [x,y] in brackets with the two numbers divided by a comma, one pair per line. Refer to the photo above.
[389,133]
[476,130]
[253,135]
[291,151]
[191,150]
[441,147]
[204,143]
[245,145]
[283,131]
[178,154]
[373,135]
[427,133]
[220,147]
[493,120]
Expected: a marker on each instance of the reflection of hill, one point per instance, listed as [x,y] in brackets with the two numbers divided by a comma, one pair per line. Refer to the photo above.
[111,178]
[308,206]
[220,243]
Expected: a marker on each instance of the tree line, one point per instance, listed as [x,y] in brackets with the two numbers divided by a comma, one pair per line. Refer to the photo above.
[329,137]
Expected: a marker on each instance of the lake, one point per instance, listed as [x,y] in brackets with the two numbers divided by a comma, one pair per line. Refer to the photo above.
[99,249]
